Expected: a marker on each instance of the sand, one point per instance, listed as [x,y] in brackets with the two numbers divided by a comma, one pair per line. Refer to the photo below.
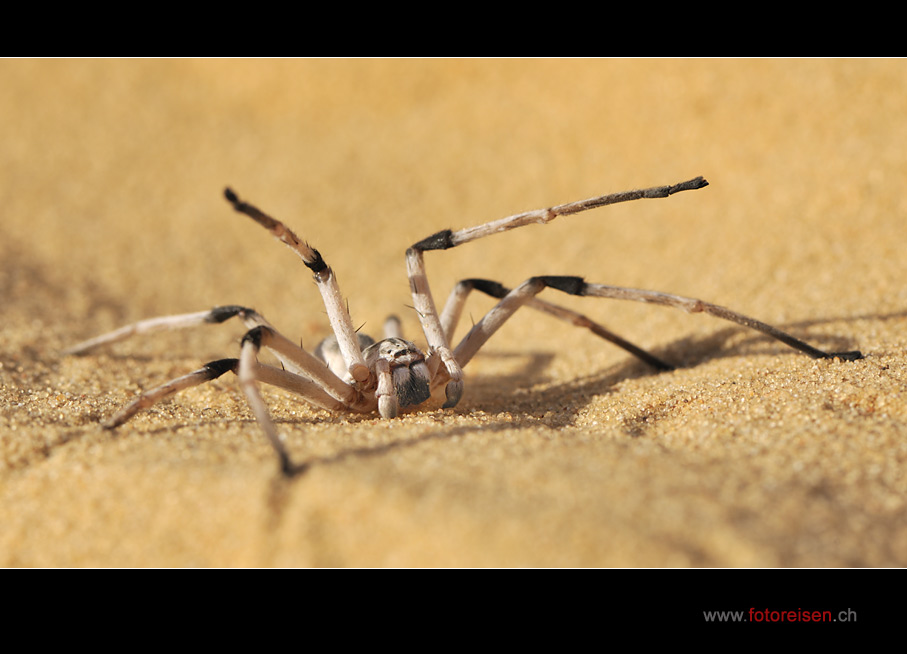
[564,451]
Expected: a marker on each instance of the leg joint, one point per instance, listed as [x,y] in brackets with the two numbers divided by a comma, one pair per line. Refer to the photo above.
[440,241]
[317,264]
[217,368]
[221,314]
[565,284]
[254,336]
[486,286]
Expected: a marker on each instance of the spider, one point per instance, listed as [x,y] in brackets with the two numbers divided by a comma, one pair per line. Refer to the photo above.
[353,372]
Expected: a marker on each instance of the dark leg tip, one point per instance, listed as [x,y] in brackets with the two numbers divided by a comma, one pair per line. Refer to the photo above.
[289,469]
[566,284]
[494,289]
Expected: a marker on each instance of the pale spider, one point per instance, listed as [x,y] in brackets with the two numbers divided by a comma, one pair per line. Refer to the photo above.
[350,371]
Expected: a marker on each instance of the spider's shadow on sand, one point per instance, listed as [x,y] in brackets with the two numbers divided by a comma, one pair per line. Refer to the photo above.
[686,352]
[488,393]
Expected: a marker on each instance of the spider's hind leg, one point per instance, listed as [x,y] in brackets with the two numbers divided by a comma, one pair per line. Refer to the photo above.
[453,309]
[693,305]
[525,294]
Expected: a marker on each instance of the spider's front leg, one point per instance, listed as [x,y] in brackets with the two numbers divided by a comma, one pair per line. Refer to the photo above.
[431,327]
[396,377]
[332,392]
[339,317]
[435,333]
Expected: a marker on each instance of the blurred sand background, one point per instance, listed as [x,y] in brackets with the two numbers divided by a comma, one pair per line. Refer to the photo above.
[564,451]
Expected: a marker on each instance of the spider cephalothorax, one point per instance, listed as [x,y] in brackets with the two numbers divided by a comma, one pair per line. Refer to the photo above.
[410,377]
[351,371]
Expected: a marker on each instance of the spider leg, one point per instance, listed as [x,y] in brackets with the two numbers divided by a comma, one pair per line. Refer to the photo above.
[250,318]
[208,372]
[338,315]
[293,357]
[307,389]
[447,239]
[442,360]
[392,327]
[526,292]
[267,374]
[298,361]
[423,302]
[692,305]
[454,307]
[250,372]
